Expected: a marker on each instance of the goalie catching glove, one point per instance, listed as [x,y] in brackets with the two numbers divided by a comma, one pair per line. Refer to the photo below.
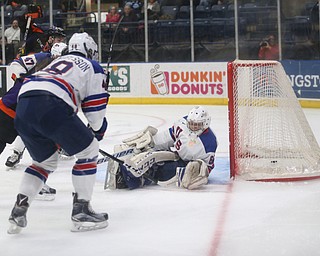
[193,176]
[143,140]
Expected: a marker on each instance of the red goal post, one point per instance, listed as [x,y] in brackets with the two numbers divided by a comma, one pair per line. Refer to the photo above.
[269,135]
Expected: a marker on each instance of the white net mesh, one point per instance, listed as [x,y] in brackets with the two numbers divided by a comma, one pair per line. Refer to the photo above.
[272,138]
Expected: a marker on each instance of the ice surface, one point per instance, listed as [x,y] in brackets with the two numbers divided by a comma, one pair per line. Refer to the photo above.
[224,218]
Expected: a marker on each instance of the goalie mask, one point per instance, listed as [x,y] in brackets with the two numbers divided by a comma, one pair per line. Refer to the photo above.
[84,44]
[198,120]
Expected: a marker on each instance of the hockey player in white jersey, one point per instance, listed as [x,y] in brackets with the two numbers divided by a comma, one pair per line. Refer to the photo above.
[46,116]
[182,155]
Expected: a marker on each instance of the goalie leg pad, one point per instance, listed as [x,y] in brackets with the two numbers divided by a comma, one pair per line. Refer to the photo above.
[142,162]
[118,177]
[193,176]
[131,181]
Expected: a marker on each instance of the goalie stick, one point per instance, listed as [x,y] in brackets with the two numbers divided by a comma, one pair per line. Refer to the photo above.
[116,159]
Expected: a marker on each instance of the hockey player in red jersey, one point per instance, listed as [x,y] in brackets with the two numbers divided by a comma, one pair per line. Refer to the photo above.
[46,116]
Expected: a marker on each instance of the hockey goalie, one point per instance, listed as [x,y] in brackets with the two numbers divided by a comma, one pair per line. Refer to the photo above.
[182,155]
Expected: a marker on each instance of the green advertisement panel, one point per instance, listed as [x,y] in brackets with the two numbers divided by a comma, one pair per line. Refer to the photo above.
[119,79]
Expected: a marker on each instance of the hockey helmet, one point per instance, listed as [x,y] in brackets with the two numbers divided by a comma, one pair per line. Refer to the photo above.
[84,44]
[198,120]
[56,31]
[58,49]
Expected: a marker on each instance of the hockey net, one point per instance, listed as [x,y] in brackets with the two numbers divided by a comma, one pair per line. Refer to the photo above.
[270,137]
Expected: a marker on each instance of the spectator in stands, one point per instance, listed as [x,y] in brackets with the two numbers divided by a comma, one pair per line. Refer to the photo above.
[12,37]
[128,25]
[207,3]
[112,20]
[136,6]
[269,49]
[68,5]
[153,9]
[112,17]
[12,34]
[18,5]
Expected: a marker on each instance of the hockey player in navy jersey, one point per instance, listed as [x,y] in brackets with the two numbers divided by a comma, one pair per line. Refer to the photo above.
[37,41]
[21,68]
[46,116]
[40,40]
[182,155]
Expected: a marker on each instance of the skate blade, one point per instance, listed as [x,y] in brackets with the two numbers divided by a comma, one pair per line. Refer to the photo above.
[14,228]
[88,226]
[8,168]
[45,197]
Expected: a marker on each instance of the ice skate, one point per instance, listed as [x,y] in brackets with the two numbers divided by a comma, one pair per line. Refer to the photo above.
[46,194]
[14,159]
[84,218]
[18,218]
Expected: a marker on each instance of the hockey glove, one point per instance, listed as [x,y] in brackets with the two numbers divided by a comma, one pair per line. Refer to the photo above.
[143,140]
[193,176]
[105,84]
[100,133]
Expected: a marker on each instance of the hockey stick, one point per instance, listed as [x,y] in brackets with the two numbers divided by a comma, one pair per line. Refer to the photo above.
[23,46]
[114,158]
[111,49]
[107,156]
[112,41]
[27,28]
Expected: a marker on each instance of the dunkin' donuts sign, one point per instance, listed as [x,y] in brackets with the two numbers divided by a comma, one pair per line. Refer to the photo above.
[187,82]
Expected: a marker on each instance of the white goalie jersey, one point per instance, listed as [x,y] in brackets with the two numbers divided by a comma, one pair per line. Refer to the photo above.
[189,146]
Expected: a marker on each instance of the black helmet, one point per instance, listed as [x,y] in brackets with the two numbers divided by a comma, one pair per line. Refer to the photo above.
[56,31]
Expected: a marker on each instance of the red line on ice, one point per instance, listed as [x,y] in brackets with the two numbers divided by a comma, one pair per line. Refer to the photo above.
[221,222]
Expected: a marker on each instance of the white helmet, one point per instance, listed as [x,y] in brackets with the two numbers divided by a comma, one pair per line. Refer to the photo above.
[57,49]
[198,120]
[83,43]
